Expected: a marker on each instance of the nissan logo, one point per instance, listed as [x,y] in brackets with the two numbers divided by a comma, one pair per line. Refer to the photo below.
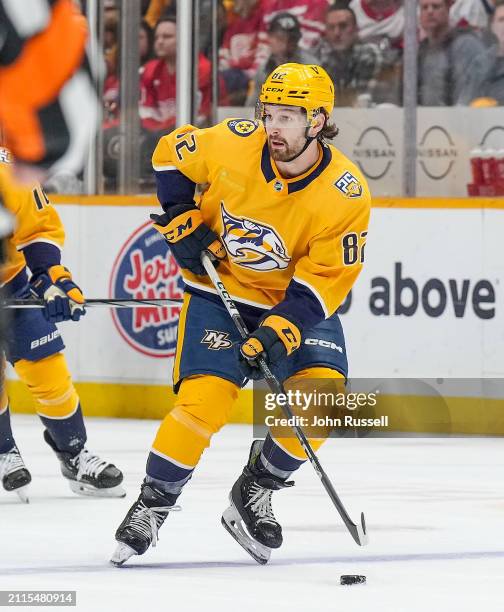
[374,153]
[437,153]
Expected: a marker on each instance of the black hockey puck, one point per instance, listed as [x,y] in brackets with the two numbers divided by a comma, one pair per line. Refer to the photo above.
[352,579]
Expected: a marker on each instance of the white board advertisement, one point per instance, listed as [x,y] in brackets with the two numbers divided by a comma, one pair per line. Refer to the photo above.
[428,303]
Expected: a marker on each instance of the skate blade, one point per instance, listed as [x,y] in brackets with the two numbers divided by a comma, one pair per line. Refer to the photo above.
[121,554]
[22,493]
[232,522]
[83,488]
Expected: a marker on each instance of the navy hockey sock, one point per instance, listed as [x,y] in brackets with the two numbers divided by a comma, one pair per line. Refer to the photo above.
[7,442]
[69,433]
[165,474]
[275,460]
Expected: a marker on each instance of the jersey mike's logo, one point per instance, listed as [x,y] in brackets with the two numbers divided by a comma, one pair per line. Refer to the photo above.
[145,269]
[253,245]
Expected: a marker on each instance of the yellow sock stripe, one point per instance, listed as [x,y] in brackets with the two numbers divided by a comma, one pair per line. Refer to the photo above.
[171,459]
[60,409]
[177,441]
[188,421]
[58,400]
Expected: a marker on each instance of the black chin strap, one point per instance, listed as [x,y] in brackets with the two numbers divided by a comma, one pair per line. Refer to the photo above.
[309,140]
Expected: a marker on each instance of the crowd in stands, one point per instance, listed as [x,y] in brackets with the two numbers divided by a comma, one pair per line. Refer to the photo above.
[359,42]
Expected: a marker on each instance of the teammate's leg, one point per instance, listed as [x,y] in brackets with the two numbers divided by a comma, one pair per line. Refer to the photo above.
[34,347]
[58,407]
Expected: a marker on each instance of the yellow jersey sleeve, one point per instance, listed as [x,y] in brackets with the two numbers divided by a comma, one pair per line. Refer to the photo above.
[179,163]
[38,232]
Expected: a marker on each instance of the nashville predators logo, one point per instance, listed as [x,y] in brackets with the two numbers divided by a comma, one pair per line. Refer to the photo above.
[216,340]
[242,127]
[253,245]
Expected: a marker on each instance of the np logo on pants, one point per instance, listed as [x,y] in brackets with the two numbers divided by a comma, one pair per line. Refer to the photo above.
[216,340]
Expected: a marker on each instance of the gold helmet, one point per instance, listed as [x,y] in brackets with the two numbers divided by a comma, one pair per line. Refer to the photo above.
[305,85]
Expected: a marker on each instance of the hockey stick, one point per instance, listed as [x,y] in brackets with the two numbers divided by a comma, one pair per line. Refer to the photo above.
[358,532]
[109,303]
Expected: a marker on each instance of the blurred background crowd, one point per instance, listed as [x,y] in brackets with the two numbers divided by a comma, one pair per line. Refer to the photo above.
[359,42]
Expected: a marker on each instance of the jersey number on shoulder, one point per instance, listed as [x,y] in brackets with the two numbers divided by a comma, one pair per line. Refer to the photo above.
[353,249]
[188,142]
[41,199]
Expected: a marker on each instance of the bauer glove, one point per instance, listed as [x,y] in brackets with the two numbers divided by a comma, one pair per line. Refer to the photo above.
[275,339]
[188,236]
[63,299]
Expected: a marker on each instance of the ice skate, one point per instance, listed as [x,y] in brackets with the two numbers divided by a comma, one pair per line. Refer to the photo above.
[141,524]
[14,475]
[249,518]
[88,474]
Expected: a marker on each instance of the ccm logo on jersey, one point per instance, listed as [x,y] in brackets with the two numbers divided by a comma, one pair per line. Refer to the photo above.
[324,344]
[45,339]
[349,185]
[216,340]
[252,244]
[242,127]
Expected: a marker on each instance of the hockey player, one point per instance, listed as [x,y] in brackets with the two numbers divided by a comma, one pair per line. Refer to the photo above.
[34,345]
[285,215]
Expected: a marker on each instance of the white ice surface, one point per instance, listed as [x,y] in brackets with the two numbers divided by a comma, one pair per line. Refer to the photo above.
[434,508]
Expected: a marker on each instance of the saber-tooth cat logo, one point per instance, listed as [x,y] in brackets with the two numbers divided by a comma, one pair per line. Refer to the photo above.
[252,244]
[145,269]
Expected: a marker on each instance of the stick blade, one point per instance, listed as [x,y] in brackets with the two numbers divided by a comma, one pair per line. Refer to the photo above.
[359,533]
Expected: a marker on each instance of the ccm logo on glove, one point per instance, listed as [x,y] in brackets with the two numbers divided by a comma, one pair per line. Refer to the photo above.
[188,236]
[275,339]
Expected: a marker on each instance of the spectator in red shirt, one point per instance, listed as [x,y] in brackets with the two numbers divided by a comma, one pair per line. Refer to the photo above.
[238,54]
[111,86]
[157,100]
[378,19]
[158,82]
[311,17]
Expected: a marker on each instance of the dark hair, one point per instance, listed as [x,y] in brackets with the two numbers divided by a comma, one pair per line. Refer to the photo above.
[166,18]
[342,5]
[329,131]
[288,23]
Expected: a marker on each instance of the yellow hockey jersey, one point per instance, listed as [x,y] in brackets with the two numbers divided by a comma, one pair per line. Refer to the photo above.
[295,245]
[38,231]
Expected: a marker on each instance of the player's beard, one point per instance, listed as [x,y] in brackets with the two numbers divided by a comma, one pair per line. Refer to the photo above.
[288,152]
